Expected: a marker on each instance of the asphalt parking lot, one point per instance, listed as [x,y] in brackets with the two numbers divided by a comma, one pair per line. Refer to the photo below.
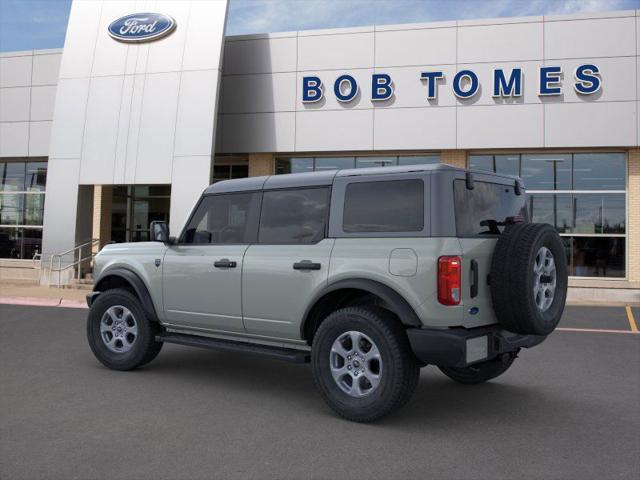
[567,409]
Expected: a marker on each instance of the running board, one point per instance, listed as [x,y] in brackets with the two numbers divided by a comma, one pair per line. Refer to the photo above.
[279,353]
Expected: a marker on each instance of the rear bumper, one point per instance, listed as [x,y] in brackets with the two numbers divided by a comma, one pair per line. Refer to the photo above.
[459,347]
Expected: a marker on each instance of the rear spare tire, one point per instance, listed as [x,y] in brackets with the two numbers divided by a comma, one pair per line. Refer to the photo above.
[529,278]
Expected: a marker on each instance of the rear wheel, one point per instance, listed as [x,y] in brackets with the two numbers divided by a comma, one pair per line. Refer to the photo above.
[480,372]
[119,333]
[363,364]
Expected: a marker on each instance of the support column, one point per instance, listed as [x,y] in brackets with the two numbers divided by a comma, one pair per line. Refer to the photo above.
[261,164]
[633,206]
[455,158]
[102,202]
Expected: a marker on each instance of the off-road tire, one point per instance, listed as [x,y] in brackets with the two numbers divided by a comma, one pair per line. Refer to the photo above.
[480,372]
[512,278]
[144,349]
[400,372]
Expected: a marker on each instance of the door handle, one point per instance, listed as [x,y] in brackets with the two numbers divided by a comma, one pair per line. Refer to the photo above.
[306,265]
[474,279]
[224,263]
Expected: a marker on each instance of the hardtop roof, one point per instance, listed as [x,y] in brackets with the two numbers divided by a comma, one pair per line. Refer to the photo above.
[322,178]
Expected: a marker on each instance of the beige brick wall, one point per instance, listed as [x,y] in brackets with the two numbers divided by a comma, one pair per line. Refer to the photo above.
[633,227]
[457,158]
[261,164]
[102,201]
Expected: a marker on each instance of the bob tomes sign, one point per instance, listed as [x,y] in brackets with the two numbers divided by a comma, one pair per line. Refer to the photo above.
[465,84]
[141,27]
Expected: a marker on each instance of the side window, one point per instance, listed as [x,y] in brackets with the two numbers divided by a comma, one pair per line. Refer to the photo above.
[229,218]
[294,216]
[384,206]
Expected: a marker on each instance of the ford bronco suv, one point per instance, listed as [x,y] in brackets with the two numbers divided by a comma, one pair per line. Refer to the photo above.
[368,274]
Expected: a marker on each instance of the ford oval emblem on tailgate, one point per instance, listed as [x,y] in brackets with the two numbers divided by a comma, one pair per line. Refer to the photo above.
[141,27]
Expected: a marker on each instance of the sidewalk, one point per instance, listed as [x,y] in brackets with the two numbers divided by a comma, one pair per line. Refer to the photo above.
[36,295]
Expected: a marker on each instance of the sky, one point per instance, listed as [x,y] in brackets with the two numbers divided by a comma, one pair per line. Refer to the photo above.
[34,24]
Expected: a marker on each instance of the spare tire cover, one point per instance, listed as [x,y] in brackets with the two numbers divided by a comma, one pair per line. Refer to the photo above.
[529,278]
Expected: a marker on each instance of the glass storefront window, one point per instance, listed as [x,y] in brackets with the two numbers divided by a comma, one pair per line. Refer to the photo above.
[36,176]
[22,187]
[599,171]
[133,208]
[596,256]
[590,216]
[546,171]
[508,164]
[554,209]
[11,209]
[33,209]
[333,163]
[481,162]
[310,164]
[368,162]
[10,240]
[13,177]
[418,159]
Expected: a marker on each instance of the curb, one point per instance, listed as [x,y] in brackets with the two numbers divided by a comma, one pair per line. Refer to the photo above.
[43,302]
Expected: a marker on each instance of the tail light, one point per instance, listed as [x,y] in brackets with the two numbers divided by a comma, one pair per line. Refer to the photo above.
[449,280]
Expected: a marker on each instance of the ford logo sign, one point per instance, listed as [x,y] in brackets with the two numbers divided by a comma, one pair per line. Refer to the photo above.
[141,27]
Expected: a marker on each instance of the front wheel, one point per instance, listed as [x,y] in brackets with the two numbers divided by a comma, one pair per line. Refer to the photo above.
[363,364]
[119,333]
[480,372]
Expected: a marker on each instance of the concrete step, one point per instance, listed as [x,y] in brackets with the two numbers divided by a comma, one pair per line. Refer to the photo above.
[78,286]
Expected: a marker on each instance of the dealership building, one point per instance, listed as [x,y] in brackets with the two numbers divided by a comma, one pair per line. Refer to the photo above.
[108,134]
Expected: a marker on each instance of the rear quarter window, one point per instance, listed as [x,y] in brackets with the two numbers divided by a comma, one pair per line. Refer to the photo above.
[484,210]
[384,206]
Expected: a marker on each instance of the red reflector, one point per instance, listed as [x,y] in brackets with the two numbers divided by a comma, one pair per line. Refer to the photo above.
[449,280]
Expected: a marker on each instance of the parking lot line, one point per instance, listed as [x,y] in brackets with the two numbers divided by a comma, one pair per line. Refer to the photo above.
[632,321]
[595,330]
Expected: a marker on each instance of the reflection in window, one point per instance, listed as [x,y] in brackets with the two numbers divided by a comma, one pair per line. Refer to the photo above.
[546,172]
[418,159]
[224,219]
[333,163]
[294,165]
[482,162]
[310,164]
[554,209]
[599,171]
[508,164]
[294,216]
[368,162]
[485,209]
[384,206]
[596,256]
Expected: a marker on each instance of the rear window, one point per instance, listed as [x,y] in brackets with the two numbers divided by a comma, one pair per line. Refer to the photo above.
[484,210]
[384,206]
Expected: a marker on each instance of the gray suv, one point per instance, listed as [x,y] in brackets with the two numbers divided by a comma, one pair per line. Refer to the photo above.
[368,274]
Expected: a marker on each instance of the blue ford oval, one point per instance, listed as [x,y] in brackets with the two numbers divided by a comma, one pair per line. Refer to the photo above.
[142,27]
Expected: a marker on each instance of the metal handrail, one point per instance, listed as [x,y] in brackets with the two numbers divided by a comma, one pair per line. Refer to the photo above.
[37,260]
[78,248]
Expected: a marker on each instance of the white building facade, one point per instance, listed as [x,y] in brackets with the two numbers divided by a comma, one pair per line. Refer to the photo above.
[120,134]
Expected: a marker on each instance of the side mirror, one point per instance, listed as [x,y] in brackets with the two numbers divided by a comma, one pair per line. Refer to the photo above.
[159,231]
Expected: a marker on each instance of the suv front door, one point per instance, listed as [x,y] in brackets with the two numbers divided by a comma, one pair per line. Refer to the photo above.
[290,263]
[202,273]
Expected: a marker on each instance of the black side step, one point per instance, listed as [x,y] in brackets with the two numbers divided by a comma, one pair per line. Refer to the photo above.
[279,353]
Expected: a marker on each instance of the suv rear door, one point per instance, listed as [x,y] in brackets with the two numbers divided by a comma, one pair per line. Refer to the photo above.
[202,273]
[480,214]
[290,262]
